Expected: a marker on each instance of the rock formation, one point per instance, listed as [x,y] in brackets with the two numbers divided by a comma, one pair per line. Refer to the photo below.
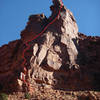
[57,52]
[61,57]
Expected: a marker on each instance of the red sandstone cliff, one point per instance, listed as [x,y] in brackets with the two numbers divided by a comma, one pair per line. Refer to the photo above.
[60,58]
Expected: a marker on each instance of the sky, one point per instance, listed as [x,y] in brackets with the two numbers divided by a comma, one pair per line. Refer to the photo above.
[14,15]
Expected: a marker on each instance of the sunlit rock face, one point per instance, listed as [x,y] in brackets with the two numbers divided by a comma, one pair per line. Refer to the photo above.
[57,55]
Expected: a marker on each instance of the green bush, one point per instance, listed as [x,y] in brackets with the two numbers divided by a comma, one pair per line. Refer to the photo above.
[3,96]
[27,96]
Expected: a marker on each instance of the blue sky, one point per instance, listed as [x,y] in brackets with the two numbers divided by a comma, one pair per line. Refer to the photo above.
[14,16]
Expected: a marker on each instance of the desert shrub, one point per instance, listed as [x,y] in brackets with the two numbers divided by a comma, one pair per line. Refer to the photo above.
[27,96]
[3,96]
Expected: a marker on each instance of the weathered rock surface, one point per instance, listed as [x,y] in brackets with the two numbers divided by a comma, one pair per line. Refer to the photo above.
[9,65]
[57,53]
[59,58]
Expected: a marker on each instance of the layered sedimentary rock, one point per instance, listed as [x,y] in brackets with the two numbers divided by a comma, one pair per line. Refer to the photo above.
[60,57]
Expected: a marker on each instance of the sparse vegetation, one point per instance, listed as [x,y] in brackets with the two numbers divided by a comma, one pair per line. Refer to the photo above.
[27,96]
[3,96]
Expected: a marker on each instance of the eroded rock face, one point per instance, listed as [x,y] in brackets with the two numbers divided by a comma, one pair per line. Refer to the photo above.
[34,26]
[57,52]
[89,60]
[10,66]
[60,57]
